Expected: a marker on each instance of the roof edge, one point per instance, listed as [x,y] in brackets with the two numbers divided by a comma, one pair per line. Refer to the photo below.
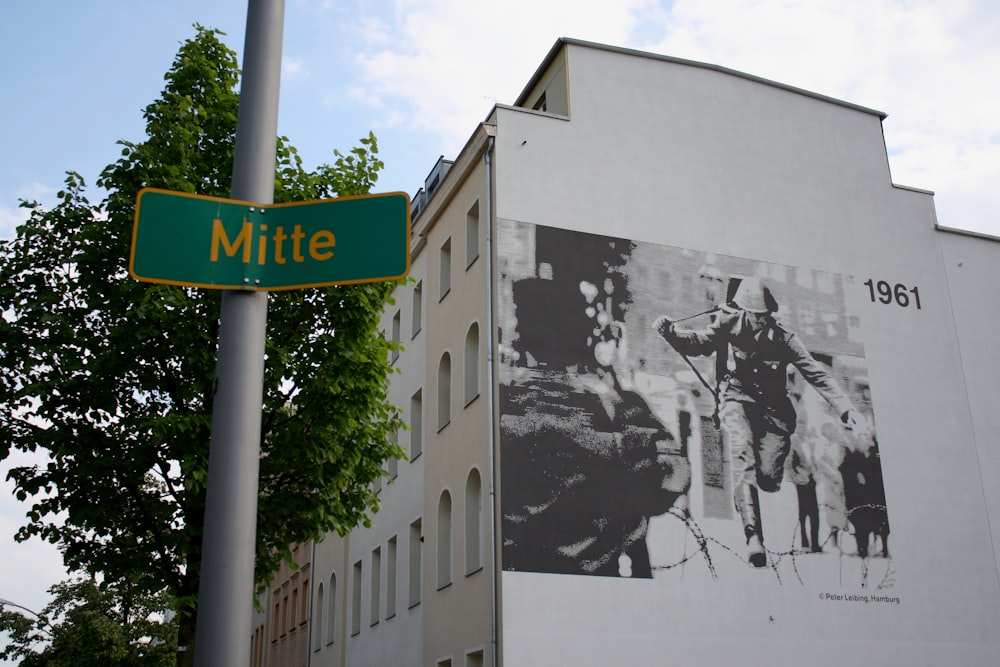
[966,232]
[564,41]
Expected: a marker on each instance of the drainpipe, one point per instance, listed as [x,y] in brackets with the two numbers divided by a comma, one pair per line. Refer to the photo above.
[488,215]
[312,602]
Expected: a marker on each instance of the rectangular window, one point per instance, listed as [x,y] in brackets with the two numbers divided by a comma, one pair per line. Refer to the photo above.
[394,353]
[474,659]
[356,600]
[393,462]
[304,612]
[390,578]
[445,259]
[376,587]
[472,235]
[416,425]
[416,545]
[418,309]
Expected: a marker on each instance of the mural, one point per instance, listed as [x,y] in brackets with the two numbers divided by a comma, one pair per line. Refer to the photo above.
[676,413]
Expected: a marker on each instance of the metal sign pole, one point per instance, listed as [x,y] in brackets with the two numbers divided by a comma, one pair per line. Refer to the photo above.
[223,630]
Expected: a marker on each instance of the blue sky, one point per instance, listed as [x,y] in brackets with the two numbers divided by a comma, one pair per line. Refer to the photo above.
[422,73]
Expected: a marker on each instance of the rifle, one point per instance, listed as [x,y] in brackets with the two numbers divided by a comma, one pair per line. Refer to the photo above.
[687,360]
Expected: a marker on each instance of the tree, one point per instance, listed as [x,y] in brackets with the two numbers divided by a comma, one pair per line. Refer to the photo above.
[92,625]
[113,379]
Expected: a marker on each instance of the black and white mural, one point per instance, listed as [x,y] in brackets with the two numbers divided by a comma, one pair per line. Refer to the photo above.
[675,413]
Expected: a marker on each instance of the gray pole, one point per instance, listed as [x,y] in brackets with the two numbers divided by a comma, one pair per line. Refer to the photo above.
[222,636]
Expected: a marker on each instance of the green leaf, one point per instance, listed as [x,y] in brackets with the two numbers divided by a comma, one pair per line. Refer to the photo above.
[113,379]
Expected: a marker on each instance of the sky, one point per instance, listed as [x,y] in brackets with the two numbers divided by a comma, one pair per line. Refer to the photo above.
[421,74]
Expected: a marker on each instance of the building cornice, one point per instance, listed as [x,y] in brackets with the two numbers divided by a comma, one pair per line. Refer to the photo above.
[564,41]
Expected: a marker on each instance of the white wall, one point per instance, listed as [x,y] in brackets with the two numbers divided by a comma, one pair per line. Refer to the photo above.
[694,158]
[971,267]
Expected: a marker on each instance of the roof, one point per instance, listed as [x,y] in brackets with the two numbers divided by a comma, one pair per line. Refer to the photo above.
[563,41]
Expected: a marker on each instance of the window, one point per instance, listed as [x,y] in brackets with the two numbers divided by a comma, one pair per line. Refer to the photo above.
[444,391]
[445,260]
[471,365]
[318,632]
[473,522]
[331,612]
[284,616]
[257,647]
[390,578]
[393,462]
[418,305]
[472,235]
[304,612]
[356,600]
[275,621]
[294,609]
[376,587]
[416,545]
[444,540]
[394,353]
[474,659]
[416,425]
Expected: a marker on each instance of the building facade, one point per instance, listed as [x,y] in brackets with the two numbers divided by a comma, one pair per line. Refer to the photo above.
[281,626]
[595,443]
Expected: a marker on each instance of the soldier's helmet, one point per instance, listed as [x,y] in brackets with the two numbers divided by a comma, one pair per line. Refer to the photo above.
[754,296]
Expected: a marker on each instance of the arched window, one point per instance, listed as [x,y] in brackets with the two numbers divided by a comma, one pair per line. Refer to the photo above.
[416,565]
[356,598]
[471,365]
[473,522]
[331,612]
[318,613]
[444,540]
[444,391]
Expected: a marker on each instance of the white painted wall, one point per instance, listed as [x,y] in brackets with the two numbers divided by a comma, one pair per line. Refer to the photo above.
[694,158]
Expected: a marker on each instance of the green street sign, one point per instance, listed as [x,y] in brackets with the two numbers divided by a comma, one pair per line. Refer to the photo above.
[184,239]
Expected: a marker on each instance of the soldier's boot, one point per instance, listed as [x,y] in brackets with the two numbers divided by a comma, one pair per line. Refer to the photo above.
[748,507]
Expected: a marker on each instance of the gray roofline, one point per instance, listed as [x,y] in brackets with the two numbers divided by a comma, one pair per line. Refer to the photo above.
[966,232]
[563,41]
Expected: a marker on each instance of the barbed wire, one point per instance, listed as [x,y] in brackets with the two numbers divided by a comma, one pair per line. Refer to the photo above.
[706,544]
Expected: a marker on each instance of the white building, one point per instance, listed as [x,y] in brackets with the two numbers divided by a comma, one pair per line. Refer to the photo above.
[529,526]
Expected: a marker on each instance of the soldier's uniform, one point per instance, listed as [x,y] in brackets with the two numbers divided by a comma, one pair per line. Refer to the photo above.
[756,414]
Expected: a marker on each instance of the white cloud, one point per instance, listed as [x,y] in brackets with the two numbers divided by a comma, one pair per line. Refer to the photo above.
[449,60]
[12,216]
[293,68]
[29,568]
[927,63]
[921,61]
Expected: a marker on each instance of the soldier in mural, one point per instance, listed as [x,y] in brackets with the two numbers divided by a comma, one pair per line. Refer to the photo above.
[753,352]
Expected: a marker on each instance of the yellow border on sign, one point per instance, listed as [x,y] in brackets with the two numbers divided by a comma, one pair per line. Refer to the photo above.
[253,288]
